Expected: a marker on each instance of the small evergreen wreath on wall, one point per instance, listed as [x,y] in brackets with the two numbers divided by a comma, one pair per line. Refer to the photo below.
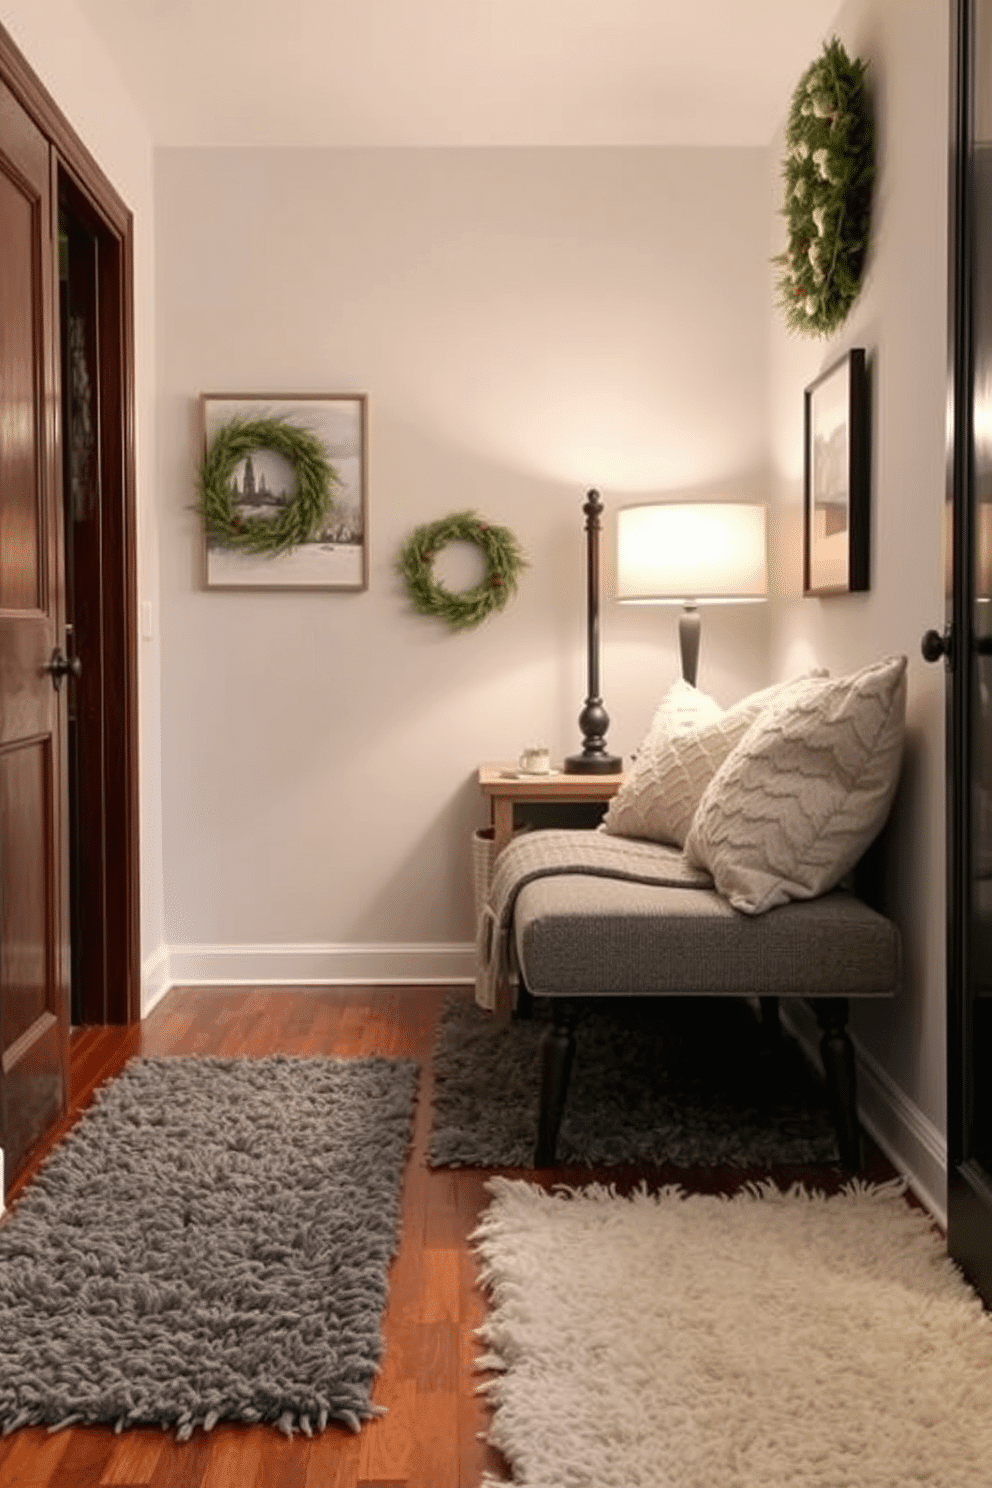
[293,523]
[828,170]
[503,558]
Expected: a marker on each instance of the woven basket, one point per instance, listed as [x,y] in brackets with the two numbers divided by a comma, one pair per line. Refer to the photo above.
[482,867]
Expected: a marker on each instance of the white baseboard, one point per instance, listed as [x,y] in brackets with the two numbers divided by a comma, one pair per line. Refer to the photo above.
[155,980]
[908,1138]
[325,965]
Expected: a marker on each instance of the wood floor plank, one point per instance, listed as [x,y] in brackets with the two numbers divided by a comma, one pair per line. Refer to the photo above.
[34,1457]
[335,1457]
[89,1061]
[82,1038]
[163,1031]
[328,1008]
[430,1437]
[283,1463]
[86,1453]
[133,1459]
[351,1038]
[441,1286]
[234,1458]
[432,1463]
[183,1464]
[387,1442]
[444,1222]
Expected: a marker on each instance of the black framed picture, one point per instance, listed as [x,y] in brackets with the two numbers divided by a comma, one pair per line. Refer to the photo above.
[837,463]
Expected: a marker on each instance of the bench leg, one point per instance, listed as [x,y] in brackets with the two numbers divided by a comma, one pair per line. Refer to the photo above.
[771,1026]
[768,1053]
[838,1062]
[558,1051]
[523,1010]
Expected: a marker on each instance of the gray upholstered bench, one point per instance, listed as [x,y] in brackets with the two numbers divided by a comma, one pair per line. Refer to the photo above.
[582,936]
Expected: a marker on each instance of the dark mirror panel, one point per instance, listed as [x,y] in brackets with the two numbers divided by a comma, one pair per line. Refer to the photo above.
[79,349]
[978,1013]
[969,989]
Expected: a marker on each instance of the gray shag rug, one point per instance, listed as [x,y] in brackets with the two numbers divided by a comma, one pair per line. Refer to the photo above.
[210,1242]
[685,1081]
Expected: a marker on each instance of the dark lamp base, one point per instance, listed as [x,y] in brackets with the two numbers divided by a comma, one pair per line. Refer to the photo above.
[593,764]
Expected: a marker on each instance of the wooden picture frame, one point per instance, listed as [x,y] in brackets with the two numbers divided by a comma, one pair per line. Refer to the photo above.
[837,458]
[337,556]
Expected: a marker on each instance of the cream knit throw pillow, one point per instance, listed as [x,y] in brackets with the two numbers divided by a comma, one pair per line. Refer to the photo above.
[804,793]
[689,738]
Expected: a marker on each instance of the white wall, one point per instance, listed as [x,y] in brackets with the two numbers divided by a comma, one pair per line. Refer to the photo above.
[526,324]
[63,50]
[900,319]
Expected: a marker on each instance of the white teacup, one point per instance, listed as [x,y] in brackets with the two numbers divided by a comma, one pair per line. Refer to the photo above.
[536,759]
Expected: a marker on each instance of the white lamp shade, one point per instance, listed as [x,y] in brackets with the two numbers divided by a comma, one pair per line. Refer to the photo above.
[685,551]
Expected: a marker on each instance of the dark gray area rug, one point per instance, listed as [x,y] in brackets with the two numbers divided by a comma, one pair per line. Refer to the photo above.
[210,1242]
[684,1081]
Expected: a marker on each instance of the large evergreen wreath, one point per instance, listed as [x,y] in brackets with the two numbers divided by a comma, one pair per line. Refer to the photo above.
[291,524]
[503,563]
[828,169]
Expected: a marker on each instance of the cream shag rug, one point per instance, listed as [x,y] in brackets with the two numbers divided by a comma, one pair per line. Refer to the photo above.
[763,1341]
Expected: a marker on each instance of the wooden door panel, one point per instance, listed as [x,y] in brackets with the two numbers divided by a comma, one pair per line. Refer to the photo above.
[29,981]
[20,444]
[25,894]
[34,993]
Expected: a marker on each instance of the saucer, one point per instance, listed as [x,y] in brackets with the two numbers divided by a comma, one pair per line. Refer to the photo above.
[520,774]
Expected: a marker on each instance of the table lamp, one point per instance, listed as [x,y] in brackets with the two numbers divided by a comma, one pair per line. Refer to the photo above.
[691,553]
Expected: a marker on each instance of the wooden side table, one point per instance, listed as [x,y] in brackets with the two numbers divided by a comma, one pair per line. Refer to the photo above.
[505,786]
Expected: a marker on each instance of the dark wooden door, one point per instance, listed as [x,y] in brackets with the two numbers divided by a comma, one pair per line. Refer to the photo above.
[968,646]
[34,973]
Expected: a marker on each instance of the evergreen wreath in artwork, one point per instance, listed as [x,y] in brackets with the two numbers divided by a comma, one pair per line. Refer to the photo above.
[828,171]
[501,553]
[293,523]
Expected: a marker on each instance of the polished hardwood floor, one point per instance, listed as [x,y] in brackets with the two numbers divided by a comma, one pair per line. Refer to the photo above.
[430,1436]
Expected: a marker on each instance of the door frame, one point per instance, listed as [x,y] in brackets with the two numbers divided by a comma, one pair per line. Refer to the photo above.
[75,171]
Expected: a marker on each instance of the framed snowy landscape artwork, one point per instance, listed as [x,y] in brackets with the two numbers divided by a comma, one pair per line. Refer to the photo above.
[266,486]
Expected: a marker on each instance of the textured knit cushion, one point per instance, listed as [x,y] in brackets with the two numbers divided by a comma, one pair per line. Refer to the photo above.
[684,708]
[689,738]
[797,801]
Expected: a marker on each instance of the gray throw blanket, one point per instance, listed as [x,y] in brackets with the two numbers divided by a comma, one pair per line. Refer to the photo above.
[546,853]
